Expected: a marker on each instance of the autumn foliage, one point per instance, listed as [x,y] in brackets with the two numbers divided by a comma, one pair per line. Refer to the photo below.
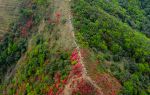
[76,72]
[56,20]
[27,26]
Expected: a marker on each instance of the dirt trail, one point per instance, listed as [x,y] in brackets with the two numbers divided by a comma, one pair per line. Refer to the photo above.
[67,38]
[65,30]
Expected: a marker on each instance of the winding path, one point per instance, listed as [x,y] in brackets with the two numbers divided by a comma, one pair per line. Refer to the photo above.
[68,37]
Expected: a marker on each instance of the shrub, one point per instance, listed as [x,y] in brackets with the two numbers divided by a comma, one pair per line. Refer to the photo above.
[115,48]
[143,67]
[25,12]
[128,87]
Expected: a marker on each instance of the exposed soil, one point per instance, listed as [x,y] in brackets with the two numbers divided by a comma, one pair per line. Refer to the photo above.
[8,13]
[109,84]
[63,27]
[67,40]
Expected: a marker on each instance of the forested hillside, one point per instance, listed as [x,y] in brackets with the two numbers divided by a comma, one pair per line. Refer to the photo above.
[76,47]
[117,31]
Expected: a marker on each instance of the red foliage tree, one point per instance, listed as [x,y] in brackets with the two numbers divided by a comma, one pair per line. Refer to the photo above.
[58,15]
[29,23]
[26,27]
[50,92]
[75,56]
[24,31]
[77,69]
[84,88]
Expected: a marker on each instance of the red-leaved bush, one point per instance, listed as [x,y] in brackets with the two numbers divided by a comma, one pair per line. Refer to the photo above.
[57,85]
[78,84]
[77,69]
[58,15]
[29,23]
[27,26]
[84,88]
[75,56]
[50,92]
[24,31]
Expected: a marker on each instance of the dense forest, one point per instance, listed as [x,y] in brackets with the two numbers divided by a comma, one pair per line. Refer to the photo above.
[117,31]
[37,58]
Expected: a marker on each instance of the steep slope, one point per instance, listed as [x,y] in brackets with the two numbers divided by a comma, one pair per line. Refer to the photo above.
[63,7]
[55,35]
[116,47]
[14,43]
[75,47]
[25,71]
